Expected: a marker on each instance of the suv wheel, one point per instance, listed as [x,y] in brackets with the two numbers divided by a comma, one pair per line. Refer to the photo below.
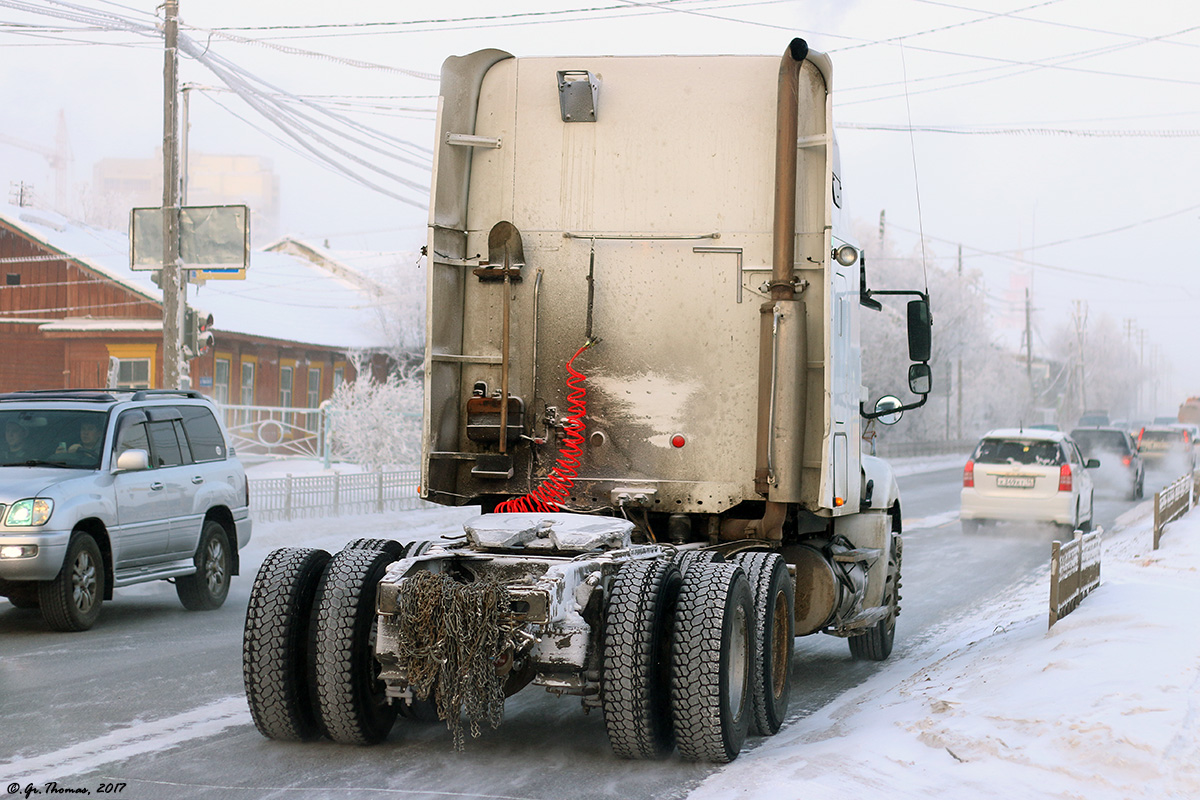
[71,602]
[207,588]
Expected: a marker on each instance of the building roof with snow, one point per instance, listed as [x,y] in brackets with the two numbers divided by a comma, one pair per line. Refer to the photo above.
[284,296]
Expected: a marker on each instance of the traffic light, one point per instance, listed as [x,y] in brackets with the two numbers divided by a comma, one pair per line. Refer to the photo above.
[204,335]
[197,333]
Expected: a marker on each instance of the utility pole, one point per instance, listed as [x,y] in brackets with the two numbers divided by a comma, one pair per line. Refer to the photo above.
[1080,328]
[1029,343]
[1141,335]
[173,299]
[882,220]
[959,387]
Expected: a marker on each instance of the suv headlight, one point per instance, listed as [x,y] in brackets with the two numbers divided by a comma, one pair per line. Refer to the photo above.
[28,513]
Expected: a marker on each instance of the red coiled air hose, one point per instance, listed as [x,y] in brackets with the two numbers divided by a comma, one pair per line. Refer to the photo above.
[556,488]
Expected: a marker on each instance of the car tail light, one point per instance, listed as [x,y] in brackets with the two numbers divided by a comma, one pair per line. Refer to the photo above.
[1127,460]
[1186,438]
[969,475]
[1064,478]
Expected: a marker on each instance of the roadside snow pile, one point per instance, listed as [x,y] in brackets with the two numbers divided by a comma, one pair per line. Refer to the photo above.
[1103,706]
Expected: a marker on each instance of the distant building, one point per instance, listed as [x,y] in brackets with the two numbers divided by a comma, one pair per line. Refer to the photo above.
[211,180]
[284,336]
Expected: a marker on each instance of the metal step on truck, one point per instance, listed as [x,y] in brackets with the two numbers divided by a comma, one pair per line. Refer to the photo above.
[643,364]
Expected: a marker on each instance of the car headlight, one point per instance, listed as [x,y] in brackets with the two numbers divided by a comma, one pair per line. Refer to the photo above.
[28,513]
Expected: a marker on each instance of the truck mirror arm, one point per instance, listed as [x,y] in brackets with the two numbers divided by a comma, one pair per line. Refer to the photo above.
[862,409]
[867,295]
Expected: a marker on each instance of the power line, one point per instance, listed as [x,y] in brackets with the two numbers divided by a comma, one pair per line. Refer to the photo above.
[518,18]
[1034,66]
[986,17]
[1054,23]
[88,307]
[1025,131]
[1042,265]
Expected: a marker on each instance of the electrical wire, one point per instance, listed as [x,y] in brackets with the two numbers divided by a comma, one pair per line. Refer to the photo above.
[88,307]
[489,21]
[1053,23]
[1034,66]
[1026,131]
[916,180]
[309,127]
[964,23]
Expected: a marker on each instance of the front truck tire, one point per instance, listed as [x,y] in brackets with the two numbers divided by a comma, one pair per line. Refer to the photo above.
[712,658]
[352,702]
[275,644]
[774,594]
[876,643]
[637,659]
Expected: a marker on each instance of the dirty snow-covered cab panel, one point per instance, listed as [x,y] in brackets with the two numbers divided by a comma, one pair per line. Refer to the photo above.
[639,197]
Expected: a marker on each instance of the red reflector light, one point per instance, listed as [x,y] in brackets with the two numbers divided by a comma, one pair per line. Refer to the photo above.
[969,475]
[678,441]
[1064,478]
[1127,460]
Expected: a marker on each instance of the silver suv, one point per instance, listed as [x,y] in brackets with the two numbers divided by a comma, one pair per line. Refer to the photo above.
[103,489]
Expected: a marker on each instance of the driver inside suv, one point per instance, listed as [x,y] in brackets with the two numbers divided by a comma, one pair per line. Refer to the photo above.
[91,440]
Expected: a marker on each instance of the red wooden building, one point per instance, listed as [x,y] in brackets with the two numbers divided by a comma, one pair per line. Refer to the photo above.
[69,303]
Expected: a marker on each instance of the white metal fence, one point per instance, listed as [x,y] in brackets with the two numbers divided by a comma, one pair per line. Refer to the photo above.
[297,497]
[265,432]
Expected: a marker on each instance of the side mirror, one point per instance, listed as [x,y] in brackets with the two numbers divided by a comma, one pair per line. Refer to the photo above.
[1091,463]
[887,410]
[133,460]
[920,378]
[920,331]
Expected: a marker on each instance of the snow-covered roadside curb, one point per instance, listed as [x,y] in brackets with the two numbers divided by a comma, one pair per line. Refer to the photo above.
[917,465]
[1106,705]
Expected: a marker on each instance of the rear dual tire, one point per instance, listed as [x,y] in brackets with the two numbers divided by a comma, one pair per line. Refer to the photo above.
[712,661]
[351,700]
[774,594]
[276,666]
[637,659]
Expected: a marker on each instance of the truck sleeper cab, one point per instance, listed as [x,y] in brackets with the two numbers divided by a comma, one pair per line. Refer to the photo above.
[643,362]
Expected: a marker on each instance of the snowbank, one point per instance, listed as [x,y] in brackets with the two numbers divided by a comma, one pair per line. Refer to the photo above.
[1103,706]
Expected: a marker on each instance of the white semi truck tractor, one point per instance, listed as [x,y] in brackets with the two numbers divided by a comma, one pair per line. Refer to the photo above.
[643,364]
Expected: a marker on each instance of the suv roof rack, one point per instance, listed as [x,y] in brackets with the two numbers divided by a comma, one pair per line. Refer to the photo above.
[146,394]
[87,395]
[98,395]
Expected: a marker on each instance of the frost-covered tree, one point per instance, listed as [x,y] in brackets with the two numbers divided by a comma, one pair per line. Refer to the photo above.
[377,424]
[1110,376]
[401,312]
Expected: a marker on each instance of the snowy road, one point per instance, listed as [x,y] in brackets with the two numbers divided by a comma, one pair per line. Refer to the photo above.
[152,696]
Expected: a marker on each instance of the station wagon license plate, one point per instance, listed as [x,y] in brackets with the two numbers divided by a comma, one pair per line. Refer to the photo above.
[1014,481]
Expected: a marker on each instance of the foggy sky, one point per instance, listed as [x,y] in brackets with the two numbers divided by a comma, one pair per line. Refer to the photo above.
[1093,113]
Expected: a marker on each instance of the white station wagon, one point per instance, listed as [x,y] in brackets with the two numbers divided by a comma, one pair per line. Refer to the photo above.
[1025,475]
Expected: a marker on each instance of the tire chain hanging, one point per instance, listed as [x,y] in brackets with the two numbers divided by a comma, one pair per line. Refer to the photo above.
[450,637]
